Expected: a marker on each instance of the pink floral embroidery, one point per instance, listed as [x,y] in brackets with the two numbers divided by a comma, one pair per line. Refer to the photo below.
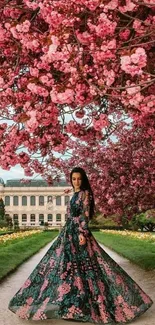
[68,266]
[22,312]
[105,265]
[122,307]
[145,298]
[101,286]
[72,311]
[94,316]
[119,317]
[58,251]
[96,247]
[89,249]
[78,283]
[44,286]
[91,287]
[128,311]
[52,263]
[40,312]
[63,275]
[118,279]
[29,300]
[25,285]
[63,289]
[76,219]
[83,224]
[73,250]
[103,313]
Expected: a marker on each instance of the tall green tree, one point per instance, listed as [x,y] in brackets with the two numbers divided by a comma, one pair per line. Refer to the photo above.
[2,209]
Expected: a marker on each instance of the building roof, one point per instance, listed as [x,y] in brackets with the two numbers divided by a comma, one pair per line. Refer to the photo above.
[34,183]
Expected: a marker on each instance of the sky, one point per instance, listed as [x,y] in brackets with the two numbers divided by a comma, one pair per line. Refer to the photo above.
[14,173]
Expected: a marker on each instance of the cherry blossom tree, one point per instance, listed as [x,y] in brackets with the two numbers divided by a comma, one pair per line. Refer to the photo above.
[65,68]
[121,173]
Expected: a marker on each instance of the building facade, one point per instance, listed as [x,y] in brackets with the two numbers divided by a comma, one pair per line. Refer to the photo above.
[36,202]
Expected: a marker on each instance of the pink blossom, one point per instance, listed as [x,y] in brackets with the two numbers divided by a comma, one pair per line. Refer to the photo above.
[130,6]
[61,98]
[2,34]
[111,201]
[80,114]
[84,38]
[34,72]
[73,58]
[37,89]
[54,45]
[32,123]
[1,82]
[124,35]
[133,64]
[24,27]
[101,122]
[112,5]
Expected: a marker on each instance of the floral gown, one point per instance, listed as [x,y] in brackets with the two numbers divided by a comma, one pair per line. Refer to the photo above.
[79,282]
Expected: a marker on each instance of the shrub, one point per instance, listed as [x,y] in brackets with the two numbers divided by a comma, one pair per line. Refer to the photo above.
[16,225]
[46,225]
[144,221]
[3,223]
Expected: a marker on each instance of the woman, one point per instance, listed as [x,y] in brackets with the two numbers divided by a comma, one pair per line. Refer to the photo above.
[76,279]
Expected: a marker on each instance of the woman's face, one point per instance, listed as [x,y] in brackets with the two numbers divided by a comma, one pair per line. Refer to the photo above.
[76,181]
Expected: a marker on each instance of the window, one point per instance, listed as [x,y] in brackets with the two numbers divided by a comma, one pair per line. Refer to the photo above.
[49,199]
[50,217]
[66,215]
[41,200]
[41,217]
[32,200]
[58,217]
[66,199]
[58,200]
[7,200]
[24,217]
[15,200]
[15,217]
[32,218]
[24,200]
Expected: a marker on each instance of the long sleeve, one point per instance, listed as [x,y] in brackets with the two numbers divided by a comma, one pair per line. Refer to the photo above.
[84,215]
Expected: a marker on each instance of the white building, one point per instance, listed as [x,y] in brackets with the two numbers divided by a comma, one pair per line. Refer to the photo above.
[35,202]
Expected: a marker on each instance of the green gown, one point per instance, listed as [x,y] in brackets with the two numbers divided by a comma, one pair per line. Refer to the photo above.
[79,282]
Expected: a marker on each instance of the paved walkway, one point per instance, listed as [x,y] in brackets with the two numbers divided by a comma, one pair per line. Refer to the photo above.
[14,281]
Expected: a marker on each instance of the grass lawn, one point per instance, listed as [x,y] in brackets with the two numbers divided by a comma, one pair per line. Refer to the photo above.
[15,252]
[138,251]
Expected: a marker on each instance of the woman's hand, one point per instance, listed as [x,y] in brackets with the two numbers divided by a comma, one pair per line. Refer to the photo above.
[82,239]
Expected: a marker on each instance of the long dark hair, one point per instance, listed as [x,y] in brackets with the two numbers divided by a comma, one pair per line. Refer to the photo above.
[85,185]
